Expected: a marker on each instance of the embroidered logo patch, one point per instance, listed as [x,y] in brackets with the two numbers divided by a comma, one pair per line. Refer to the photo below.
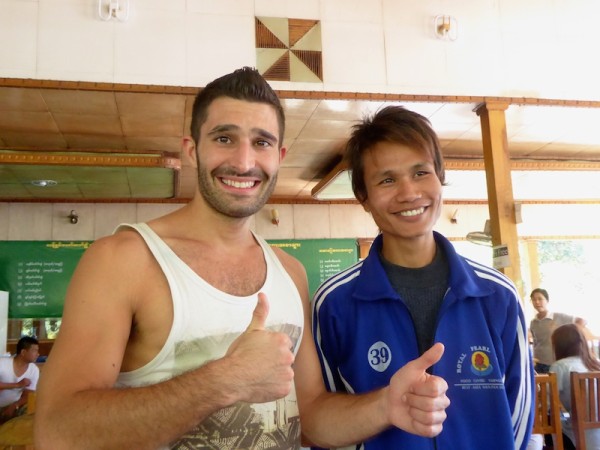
[480,363]
[475,370]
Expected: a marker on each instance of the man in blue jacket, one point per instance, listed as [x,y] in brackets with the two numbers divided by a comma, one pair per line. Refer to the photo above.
[413,290]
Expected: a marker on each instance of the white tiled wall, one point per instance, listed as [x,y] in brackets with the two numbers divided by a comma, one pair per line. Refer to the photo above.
[45,221]
[215,45]
[504,47]
[19,27]
[150,48]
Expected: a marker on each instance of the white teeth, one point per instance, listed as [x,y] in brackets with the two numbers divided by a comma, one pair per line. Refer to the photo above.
[412,212]
[238,184]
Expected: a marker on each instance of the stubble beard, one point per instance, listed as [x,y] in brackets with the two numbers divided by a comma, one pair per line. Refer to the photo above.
[228,206]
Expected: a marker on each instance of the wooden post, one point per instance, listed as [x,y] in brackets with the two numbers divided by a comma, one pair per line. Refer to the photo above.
[499,185]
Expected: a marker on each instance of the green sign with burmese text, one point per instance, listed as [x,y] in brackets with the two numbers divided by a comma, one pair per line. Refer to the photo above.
[321,258]
[36,275]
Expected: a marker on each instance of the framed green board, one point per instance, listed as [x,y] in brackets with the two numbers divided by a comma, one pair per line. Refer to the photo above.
[36,275]
[321,258]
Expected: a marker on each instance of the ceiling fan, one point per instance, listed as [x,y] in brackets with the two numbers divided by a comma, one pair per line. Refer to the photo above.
[481,237]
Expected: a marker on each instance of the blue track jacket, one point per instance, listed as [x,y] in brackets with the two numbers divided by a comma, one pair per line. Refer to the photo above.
[364,334]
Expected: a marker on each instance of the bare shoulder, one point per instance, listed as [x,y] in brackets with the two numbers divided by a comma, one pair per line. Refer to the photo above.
[290,263]
[124,249]
[106,274]
[295,269]
[124,241]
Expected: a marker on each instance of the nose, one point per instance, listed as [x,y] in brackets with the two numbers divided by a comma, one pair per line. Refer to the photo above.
[407,190]
[243,158]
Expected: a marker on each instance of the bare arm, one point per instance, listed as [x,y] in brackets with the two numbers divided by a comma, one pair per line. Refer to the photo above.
[20,384]
[77,405]
[414,401]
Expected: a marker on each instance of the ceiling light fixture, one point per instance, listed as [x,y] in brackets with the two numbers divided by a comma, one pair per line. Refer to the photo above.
[44,183]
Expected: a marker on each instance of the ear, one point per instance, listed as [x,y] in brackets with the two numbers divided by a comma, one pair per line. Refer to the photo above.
[282,153]
[365,206]
[189,149]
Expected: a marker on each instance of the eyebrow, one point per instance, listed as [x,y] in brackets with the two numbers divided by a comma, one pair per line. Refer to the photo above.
[417,166]
[228,127]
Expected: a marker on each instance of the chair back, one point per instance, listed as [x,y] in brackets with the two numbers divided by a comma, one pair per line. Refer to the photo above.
[547,409]
[585,405]
[31,397]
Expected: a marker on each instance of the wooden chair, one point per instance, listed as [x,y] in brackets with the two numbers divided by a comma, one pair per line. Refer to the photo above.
[585,405]
[31,402]
[547,409]
[17,433]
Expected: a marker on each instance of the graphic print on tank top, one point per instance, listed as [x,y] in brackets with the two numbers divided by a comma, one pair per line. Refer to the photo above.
[272,425]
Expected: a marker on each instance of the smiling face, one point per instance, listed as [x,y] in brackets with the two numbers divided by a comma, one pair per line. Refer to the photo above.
[404,194]
[238,156]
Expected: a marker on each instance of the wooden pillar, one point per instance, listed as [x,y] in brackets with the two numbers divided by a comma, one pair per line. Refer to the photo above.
[40,326]
[364,245]
[534,263]
[499,185]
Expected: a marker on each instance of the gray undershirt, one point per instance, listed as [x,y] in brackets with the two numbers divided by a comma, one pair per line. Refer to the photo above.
[423,291]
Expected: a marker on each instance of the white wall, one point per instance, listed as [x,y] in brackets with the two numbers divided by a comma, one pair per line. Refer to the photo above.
[537,48]
[46,221]
[504,48]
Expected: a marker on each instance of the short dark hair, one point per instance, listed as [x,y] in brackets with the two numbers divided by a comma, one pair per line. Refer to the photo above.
[394,124]
[25,343]
[544,292]
[242,84]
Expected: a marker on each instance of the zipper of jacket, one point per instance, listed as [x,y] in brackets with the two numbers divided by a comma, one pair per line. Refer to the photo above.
[435,440]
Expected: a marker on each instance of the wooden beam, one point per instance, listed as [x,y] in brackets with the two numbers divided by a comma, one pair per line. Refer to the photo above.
[89,159]
[499,185]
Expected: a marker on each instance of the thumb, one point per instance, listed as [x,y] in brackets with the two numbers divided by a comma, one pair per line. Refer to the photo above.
[429,358]
[259,316]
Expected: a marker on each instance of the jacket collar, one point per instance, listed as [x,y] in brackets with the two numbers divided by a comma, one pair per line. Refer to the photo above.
[374,284]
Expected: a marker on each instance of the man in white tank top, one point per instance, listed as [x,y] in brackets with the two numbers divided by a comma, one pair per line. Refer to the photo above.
[191,332]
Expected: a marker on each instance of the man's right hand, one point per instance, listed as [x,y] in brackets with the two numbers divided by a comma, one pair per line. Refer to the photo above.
[262,358]
[24,383]
[416,400]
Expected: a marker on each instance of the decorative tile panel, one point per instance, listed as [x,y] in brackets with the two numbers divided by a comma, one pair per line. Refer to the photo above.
[289,49]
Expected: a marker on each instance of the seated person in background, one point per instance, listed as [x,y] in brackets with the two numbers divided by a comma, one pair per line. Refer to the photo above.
[542,326]
[18,376]
[572,355]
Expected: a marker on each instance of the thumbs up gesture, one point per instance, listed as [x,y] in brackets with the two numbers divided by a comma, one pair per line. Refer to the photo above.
[416,400]
[262,358]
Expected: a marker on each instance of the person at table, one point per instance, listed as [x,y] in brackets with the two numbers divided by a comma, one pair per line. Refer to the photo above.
[18,378]
[543,325]
[572,354]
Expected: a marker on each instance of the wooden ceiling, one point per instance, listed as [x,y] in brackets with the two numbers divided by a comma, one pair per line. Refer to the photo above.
[112,142]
